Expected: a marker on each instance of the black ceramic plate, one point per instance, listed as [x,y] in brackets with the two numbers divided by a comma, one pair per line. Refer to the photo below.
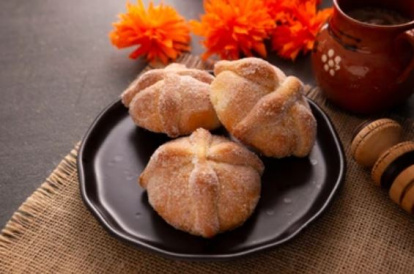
[294,191]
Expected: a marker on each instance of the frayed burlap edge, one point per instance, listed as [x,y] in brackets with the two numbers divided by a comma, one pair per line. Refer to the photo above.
[36,203]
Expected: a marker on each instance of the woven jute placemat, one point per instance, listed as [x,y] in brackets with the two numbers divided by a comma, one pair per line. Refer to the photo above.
[362,232]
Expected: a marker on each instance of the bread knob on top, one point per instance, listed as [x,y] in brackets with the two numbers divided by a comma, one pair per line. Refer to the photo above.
[174,100]
[263,108]
[203,184]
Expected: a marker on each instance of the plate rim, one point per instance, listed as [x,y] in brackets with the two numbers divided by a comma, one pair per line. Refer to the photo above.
[207,257]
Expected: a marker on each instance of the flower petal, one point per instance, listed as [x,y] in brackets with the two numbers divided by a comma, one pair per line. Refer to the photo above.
[159,31]
[231,27]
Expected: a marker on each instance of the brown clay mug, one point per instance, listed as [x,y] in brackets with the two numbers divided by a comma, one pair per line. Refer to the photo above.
[364,67]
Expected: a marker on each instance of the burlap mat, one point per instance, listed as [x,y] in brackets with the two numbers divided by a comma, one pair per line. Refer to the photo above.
[363,231]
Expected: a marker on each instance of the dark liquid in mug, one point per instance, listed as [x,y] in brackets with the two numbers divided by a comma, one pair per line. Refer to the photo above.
[378,16]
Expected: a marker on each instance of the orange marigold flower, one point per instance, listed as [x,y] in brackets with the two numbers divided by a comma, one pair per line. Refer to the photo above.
[231,27]
[298,22]
[159,32]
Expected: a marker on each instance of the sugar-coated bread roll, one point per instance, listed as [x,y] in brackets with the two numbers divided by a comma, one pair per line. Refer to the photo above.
[263,108]
[174,100]
[203,184]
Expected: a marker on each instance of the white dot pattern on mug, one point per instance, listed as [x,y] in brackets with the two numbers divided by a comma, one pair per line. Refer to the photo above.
[331,63]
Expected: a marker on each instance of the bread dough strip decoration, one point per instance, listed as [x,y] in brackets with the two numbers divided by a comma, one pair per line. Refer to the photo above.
[203,184]
[263,108]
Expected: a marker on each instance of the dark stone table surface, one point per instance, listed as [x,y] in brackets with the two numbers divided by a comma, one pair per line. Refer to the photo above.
[58,70]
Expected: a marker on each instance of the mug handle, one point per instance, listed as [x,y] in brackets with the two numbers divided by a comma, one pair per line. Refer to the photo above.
[409,36]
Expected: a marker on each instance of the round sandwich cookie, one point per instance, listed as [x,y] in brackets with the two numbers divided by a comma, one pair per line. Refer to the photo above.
[391,163]
[401,184]
[407,202]
[372,138]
